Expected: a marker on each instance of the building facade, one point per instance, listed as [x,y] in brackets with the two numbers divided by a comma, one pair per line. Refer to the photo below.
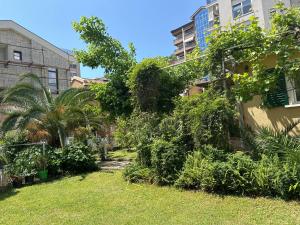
[223,13]
[239,11]
[22,51]
[185,40]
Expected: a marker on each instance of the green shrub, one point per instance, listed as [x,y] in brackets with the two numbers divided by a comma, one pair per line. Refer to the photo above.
[136,173]
[235,175]
[167,161]
[197,173]
[78,158]
[25,162]
[12,144]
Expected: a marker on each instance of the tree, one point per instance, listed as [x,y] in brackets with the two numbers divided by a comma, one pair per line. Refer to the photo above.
[30,105]
[154,86]
[106,52]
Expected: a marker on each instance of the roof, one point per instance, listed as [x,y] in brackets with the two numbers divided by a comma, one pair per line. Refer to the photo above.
[11,25]
[87,81]
[198,10]
[185,25]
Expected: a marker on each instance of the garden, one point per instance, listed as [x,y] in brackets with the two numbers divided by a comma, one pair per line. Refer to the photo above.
[182,158]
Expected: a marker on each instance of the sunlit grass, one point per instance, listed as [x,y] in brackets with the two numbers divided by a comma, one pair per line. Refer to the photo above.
[122,154]
[105,198]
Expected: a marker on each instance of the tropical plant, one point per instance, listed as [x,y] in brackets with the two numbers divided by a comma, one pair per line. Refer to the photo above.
[29,105]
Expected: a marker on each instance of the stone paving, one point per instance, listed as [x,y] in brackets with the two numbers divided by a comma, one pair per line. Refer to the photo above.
[113,165]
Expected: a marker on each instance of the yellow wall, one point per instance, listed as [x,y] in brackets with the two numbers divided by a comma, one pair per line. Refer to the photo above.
[276,118]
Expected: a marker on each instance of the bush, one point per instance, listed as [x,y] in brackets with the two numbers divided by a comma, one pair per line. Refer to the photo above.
[78,158]
[235,175]
[12,144]
[167,161]
[25,162]
[197,173]
[274,178]
[136,173]
[241,175]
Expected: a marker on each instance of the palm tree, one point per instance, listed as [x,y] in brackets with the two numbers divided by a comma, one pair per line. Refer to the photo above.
[30,106]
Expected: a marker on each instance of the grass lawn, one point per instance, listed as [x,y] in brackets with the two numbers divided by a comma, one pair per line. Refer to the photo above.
[104,198]
[121,155]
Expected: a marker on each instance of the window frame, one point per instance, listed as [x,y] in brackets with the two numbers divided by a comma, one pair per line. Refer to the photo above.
[55,85]
[241,3]
[291,89]
[15,52]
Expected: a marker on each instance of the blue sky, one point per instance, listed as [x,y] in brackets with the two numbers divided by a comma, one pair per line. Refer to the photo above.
[146,23]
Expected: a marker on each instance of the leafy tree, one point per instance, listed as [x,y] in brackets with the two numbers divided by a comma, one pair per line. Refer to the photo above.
[106,52]
[30,105]
[154,86]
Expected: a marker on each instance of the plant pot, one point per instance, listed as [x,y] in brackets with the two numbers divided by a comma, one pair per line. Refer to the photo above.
[29,179]
[16,182]
[43,175]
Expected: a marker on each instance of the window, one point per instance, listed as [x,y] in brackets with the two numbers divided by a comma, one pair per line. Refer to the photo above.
[53,80]
[213,15]
[73,66]
[241,7]
[293,87]
[73,74]
[18,55]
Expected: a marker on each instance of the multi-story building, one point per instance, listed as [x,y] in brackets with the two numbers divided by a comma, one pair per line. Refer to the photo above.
[185,40]
[224,13]
[22,51]
[239,11]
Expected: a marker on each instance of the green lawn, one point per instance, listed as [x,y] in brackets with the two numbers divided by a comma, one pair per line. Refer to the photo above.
[121,155]
[104,198]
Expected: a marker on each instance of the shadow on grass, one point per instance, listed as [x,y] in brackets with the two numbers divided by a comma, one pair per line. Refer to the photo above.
[8,193]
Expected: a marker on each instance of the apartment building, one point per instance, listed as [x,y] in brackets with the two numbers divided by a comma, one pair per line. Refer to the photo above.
[224,13]
[239,11]
[22,51]
[185,40]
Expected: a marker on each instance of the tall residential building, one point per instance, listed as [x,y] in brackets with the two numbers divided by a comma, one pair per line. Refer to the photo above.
[226,12]
[22,51]
[185,40]
[239,11]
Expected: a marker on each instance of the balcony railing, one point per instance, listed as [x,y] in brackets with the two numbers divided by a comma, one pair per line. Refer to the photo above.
[209,2]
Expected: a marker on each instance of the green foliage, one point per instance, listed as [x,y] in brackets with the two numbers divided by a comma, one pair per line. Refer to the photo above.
[78,158]
[106,52]
[29,105]
[240,174]
[136,173]
[209,116]
[153,88]
[273,143]
[138,131]
[197,173]
[25,162]
[167,161]
[12,144]
[241,46]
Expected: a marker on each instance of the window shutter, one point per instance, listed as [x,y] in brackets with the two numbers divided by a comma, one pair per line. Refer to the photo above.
[279,96]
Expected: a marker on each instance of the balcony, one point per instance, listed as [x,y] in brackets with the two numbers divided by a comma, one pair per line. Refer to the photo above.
[210,2]
[191,44]
[190,35]
[179,51]
[178,40]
